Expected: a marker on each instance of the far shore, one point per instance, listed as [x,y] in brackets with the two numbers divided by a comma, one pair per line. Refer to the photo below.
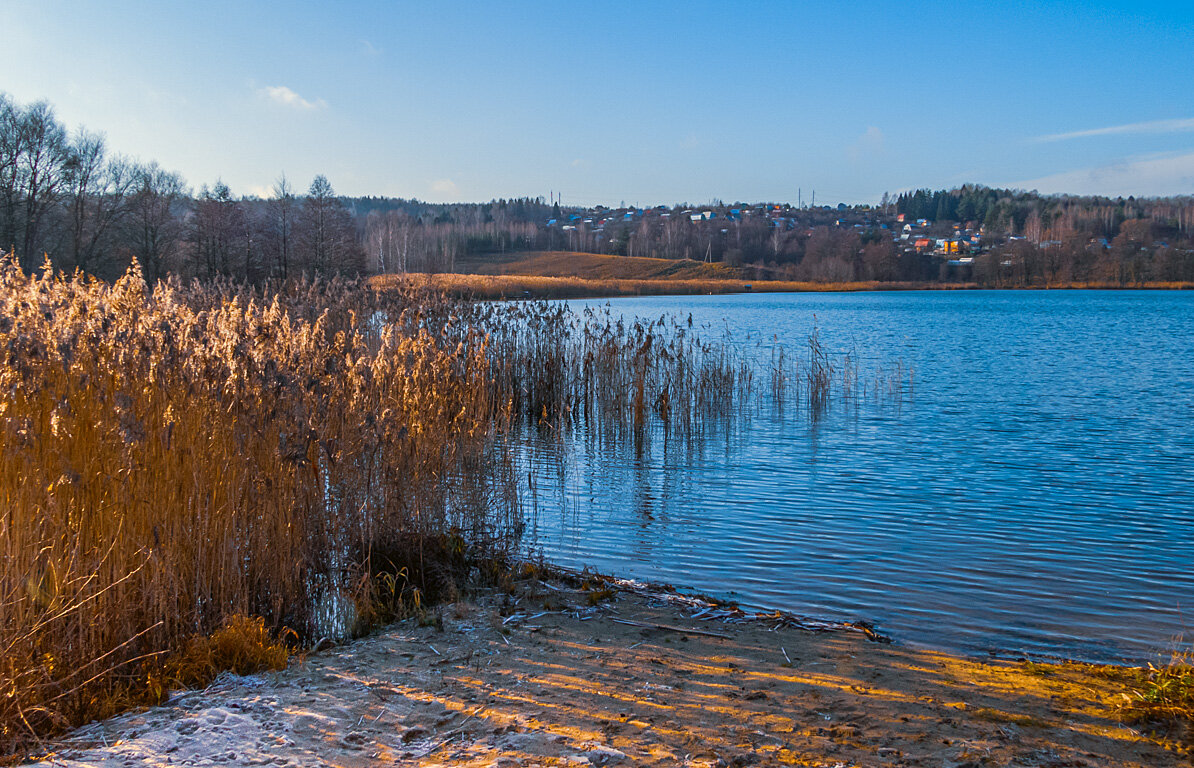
[497,287]
[592,671]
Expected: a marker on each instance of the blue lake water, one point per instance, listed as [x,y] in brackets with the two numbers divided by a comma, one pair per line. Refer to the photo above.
[1034,494]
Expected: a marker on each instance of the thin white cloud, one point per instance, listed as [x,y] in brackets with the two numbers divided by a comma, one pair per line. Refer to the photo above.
[444,187]
[871,143]
[1182,125]
[280,94]
[369,50]
[1151,176]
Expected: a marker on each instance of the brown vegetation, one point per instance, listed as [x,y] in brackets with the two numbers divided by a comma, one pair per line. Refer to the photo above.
[498,287]
[538,287]
[598,266]
[178,457]
[319,457]
[1162,697]
[243,646]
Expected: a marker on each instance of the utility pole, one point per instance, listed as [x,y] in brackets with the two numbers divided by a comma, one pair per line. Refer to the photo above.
[814,203]
[799,198]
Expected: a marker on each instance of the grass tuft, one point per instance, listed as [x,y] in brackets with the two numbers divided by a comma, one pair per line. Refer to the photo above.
[1163,695]
[242,646]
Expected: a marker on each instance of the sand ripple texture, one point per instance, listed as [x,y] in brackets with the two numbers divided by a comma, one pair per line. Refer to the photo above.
[545,678]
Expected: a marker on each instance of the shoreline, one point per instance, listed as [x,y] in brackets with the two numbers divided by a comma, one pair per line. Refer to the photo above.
[873,630]
[574,669]
[503,287]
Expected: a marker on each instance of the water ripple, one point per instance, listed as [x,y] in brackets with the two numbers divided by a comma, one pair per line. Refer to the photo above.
[1035,496]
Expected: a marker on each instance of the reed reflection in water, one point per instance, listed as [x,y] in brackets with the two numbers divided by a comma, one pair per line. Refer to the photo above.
[1032,494]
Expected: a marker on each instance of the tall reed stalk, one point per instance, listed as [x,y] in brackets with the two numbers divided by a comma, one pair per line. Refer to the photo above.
[176,457]
[312,454]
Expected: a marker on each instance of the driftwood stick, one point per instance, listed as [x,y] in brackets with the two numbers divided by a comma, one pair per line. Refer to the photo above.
[666,628]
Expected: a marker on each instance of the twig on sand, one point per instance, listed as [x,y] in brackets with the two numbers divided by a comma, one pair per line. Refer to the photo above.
[666,628]
[453,734]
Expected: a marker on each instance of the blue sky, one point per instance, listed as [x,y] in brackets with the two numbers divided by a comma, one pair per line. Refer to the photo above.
[643,102]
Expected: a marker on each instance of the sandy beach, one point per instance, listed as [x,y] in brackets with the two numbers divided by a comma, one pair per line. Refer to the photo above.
[623,674]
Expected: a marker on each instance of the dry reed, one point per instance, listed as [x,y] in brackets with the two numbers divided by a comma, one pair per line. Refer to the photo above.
[511,286]
[552,287]
[177,457]
[1162,698]
[313,456]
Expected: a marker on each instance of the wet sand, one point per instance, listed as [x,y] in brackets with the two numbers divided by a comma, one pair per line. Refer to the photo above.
[554,675]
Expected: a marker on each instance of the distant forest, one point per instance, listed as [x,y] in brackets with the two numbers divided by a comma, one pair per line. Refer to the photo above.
[65,197]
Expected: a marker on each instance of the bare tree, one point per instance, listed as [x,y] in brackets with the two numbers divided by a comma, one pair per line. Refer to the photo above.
[96,191]
[389,238]
[1033,227]
[673,234]
[33,155]
[216,232]
[10,150]
[326,233]
[280,231]
[154,224]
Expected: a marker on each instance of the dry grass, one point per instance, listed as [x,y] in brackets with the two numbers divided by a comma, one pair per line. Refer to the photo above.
[598,266]
[179,457]
[571,275]
[1152,285]
[623,378]
[318,456]
[533,286]
[242,645]
[1163,697]
[1159,699]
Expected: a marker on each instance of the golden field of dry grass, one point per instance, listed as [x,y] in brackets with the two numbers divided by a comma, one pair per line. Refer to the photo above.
[571,275]
[597,266]
[539,287]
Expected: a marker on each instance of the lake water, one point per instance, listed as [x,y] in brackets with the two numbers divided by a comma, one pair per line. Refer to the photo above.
[1035,494]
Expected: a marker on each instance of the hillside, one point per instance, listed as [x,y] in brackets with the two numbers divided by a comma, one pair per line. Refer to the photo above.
[595,266]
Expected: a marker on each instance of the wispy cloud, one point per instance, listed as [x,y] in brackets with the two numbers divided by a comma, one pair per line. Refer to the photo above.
[870,144]
[280,94]
[444,187]
[369,50]
[1182,125]
[1150,176]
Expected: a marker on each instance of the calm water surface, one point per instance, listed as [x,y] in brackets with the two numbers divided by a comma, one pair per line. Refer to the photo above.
[1035,494]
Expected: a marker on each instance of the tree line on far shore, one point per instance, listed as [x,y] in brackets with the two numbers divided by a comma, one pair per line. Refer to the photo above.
[65,196]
